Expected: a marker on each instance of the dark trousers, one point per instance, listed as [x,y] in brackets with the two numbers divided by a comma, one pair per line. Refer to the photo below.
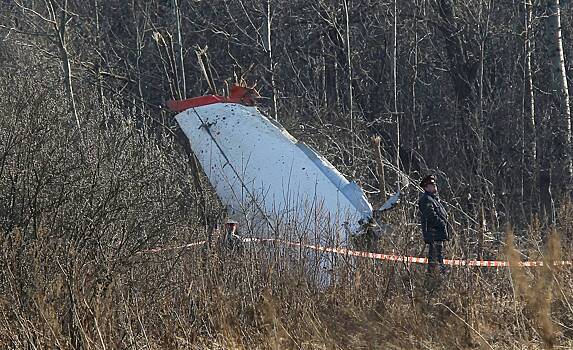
[435,257]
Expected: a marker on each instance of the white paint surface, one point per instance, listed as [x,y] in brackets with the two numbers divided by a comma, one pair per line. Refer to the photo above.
[264,174]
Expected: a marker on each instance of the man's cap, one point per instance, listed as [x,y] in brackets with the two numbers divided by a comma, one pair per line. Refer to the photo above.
[430,179]
[231,221]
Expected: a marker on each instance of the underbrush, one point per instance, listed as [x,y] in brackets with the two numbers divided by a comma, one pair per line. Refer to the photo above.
[269,297]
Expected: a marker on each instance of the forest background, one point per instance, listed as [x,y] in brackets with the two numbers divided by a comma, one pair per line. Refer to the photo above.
[94,171]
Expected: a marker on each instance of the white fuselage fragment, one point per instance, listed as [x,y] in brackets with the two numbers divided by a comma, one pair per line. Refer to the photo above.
[261,172]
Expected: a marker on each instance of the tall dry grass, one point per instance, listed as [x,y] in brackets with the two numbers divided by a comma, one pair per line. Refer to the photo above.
[265,298]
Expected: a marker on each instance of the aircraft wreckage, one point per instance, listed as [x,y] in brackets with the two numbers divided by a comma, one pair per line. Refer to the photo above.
[268,179]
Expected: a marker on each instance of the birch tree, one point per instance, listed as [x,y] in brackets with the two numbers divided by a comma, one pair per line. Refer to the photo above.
[556,55]
[529,166]
[267,42]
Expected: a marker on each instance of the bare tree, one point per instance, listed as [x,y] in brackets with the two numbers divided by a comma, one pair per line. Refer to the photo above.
[529,93]
[394,54]
[349,72]
[529,164]
[177,10]
[57,19]
[556,55]
[267,41]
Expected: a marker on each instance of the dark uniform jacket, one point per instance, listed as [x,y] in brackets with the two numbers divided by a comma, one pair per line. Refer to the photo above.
[433,218]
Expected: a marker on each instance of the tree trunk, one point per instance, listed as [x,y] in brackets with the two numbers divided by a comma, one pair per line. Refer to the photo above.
[530,94]
[269,49]
[177,9]
[330,69]
[379,167]
[59,25]
[349,73]
[529,167]
[395,84]
[555,47]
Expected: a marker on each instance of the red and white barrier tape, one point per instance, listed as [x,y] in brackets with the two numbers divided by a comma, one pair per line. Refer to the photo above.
[158,250]
[377,256]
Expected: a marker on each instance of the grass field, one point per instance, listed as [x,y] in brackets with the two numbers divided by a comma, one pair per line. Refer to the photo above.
[272,298]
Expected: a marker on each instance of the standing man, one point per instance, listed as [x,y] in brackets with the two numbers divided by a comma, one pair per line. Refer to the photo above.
[231,240]
[433,218]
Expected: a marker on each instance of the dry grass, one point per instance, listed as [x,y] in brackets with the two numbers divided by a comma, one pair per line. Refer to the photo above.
[202,299]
